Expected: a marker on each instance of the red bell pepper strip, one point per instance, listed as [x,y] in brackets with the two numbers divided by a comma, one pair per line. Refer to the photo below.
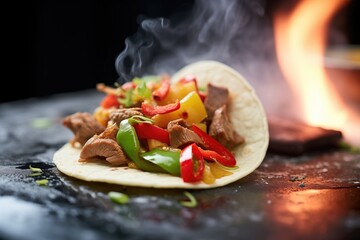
[128,85]
[210,143]
[209,155]
[191,164]
[160,93]
[109,101]
[191,78]
[151,110]
[150,131]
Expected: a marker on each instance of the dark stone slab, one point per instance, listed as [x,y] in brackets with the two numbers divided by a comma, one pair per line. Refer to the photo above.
[296,138]
[312,196]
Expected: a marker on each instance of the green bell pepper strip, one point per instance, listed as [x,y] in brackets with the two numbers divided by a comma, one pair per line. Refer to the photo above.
[169,160]
[129,142]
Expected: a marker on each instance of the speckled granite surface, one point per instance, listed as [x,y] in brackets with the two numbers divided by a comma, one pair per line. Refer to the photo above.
[313,196]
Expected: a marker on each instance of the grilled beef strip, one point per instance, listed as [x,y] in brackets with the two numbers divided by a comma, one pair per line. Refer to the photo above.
[180,134]
[104,146]
[83,125]
[117,115]
[222,129]
[215,98]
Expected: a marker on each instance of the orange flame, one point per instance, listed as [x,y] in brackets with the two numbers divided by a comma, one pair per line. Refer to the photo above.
[300,38]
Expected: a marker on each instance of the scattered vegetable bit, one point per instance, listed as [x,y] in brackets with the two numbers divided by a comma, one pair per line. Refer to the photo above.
[35,170]
[35,174]
[42,182]
[41,123]
[191,202]
[118,197]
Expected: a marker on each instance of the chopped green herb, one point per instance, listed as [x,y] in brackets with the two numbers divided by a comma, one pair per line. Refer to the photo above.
[191,202]
[35,170]
[127,100]
[41,123]
[118,197]
[143,91]
[42,182]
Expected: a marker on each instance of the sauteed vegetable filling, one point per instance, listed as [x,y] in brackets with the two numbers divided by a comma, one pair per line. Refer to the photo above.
[157,126]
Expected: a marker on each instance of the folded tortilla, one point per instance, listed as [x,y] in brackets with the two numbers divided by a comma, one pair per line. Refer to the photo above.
[246,113]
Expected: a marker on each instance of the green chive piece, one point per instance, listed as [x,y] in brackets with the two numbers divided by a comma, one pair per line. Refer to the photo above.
[34,174]
[42,182]
[35,170]
[118,197]
[191,202]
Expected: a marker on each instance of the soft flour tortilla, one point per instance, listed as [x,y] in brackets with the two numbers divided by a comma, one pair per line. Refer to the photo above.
[246,113]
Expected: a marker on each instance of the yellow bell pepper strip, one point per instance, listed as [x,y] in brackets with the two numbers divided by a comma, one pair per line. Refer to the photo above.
[208,177]
[177,90]
[192,110]
[151,110]
[129,142]
[150,131]
[152,143]
[191,164]
[160,93]
[166,158]
[189,79]
[218,171]
[224,156]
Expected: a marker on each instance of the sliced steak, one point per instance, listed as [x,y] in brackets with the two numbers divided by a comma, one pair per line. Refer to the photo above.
[222,129]
[180,135]
[215,98]
[83,125]
[104,146]
[117,115]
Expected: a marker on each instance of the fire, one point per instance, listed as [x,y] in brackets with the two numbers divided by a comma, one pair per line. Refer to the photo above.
[300,37]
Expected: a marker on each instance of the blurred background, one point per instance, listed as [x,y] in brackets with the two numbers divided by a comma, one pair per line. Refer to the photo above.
[61,46]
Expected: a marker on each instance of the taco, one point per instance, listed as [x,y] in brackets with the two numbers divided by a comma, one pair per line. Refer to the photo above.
[202,128]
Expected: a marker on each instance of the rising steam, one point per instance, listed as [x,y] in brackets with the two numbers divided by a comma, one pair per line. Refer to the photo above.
[235,32]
